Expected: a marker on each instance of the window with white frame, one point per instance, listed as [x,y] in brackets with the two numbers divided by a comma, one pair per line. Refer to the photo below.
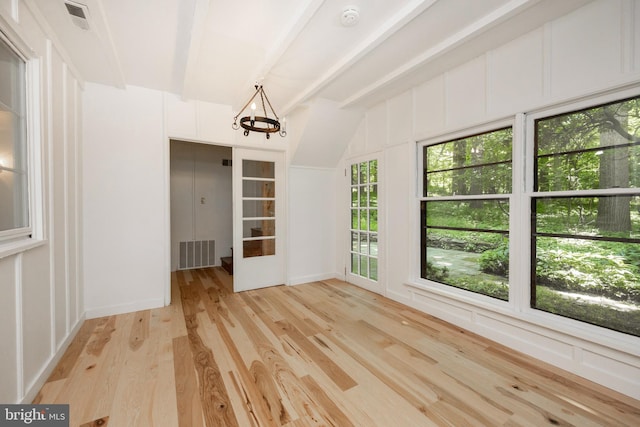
[585,215]
[14,195]
[465,212]
[578,188]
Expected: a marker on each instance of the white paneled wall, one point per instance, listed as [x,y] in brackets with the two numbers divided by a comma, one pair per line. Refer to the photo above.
[126,210]
[565,60]
[311,231]
[42,304]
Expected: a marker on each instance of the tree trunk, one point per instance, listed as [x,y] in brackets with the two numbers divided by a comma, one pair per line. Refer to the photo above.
[477,155]
[614,213]
[459,181]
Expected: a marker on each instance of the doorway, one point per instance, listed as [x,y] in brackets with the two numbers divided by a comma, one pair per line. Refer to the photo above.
[201,194]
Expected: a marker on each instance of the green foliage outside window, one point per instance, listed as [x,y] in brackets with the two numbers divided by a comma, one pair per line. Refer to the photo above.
[587,246]
[465,240]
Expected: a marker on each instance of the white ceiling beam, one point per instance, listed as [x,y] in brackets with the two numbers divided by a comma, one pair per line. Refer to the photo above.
[103,32]
[390,27]
[471,31]
[200,13]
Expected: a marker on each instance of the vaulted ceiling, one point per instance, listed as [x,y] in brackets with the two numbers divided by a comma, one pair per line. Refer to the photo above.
[315,69]
[215,50]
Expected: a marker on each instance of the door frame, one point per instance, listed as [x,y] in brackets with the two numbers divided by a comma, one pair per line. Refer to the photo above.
[365,283]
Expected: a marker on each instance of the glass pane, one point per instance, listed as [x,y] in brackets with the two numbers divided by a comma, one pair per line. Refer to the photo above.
[604,216]
[354,263]
[258,169]
[373,196]
[364,243]
[373,269]
[593,148]
[354,174]
[12,70]
[258,208]
[364,219]
[474,214]
[494,179]
[364,174]
[354,219]
[363,196]
[373,220]
[10,137]
[257,228]
[354,241]
[13,194]
[606,168]
[478,262]
[251,188]
[354,197]
[373,244]
[364,266]
[14,203]
[253,248]
[593,281]
[479,164]
[373,171]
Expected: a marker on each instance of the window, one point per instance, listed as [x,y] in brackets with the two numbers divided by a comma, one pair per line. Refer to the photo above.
[465,212]
[586,216]
[364,219]
[258,208]
[14,200]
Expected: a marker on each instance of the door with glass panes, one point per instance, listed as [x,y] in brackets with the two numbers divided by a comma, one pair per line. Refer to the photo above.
[363,263]
[258,227]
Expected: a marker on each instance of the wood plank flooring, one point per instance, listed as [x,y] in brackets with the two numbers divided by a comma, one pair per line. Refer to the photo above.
[320,354]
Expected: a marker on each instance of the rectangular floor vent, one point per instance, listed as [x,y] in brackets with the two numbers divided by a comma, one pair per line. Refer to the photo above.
[197,254]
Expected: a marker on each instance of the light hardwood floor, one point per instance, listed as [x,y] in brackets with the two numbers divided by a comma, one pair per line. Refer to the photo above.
[320,354]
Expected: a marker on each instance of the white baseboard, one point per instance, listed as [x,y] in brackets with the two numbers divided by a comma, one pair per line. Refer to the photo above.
[312,278]
[32,390]
[92,313]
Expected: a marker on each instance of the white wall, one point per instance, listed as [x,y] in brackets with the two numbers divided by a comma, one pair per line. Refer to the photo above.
[312,231]
[127,194]
[42,293]
[564,60]
[125,200]
[201,197]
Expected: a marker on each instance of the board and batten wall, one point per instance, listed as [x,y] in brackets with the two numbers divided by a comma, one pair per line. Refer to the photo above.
[42,305]
[593,49]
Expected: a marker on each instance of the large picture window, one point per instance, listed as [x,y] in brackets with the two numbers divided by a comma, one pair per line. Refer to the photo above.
[14,201]
[465,212]
[586,216]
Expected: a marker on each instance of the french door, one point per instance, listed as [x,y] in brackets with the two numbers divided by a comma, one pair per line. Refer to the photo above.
[363,264]
[258,225]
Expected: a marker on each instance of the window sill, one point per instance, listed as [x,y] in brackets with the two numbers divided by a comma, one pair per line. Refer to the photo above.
[10,248]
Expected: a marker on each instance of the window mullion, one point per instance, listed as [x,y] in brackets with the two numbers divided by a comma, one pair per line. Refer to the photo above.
[519,224]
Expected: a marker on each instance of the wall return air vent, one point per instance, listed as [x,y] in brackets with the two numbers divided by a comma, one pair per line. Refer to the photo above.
[79,14]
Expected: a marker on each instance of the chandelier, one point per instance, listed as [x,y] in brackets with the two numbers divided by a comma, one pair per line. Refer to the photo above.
[263,124]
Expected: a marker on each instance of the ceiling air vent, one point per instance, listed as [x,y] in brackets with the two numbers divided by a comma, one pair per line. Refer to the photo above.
[79,14]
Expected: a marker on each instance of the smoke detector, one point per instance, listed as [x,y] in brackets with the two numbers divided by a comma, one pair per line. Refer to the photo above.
[350,16]
[79,14]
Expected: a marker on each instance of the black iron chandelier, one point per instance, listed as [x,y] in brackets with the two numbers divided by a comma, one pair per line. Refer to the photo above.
[263,124]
